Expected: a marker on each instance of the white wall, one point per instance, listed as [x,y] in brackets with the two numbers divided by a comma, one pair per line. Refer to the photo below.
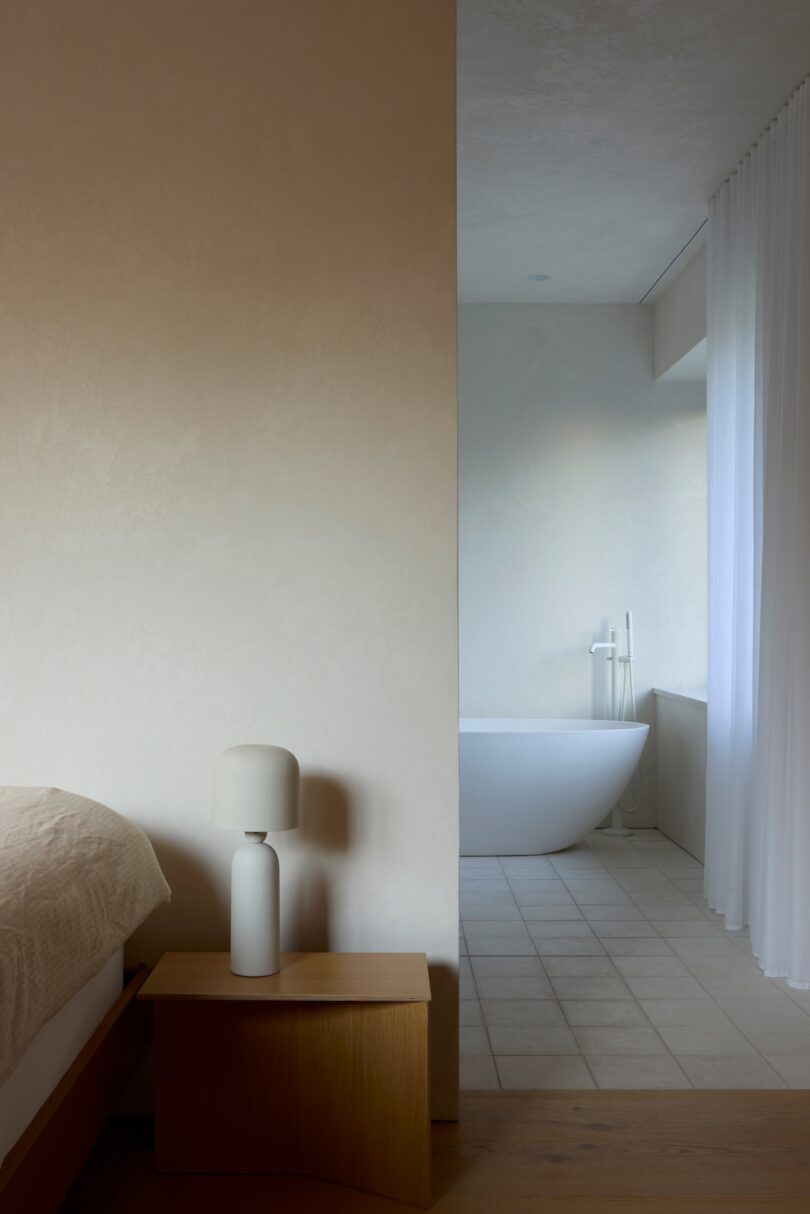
[229,444]
[679,324]
[583,493]
[680,759]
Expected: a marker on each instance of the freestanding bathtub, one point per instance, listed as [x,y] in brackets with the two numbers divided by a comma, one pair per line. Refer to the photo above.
[531,785]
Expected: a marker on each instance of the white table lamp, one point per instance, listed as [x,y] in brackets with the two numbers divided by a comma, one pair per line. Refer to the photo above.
[256,791]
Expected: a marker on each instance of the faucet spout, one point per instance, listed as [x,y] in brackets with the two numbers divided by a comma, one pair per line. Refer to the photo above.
[602,645]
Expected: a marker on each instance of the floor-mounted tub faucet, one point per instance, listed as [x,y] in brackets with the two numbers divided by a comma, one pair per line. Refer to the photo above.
[618,713]
[610,644]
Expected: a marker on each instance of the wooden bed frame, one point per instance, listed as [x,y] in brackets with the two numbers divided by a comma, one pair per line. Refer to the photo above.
[46,1159]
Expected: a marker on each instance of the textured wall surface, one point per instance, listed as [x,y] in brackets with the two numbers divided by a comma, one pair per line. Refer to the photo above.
[583,493]
[680,759]
[227,472]
[680,315]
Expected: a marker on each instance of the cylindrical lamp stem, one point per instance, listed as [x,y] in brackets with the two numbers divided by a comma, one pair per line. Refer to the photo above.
[255,910]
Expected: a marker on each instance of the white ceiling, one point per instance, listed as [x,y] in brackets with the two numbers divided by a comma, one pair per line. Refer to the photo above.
[593,132]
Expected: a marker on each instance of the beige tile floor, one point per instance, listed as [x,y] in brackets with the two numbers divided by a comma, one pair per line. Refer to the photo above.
[602,966]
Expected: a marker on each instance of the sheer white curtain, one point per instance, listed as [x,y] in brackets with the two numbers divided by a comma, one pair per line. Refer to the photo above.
[758,779]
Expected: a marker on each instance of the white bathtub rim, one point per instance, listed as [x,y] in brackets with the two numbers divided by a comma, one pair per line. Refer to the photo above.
[544,725]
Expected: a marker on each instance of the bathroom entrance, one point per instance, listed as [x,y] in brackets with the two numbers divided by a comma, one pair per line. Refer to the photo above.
[590,957]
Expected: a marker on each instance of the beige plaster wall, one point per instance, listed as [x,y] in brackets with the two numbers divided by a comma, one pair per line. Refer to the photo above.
[227,470]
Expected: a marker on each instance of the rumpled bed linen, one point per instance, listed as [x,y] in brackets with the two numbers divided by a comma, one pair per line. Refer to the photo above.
[76,880]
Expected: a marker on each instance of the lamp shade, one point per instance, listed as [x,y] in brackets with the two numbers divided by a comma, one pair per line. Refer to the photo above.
[256,789]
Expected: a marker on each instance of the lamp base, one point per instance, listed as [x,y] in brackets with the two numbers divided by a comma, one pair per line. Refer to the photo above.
[255,934]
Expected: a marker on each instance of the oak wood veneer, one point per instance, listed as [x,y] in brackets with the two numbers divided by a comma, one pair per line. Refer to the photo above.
[327,977]
[44,1162]
[321,1069]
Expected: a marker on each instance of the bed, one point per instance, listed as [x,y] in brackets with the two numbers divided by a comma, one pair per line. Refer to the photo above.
[76,879]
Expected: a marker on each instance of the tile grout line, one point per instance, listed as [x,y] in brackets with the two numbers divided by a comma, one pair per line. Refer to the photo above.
[596,870]
[480,1003]
[633,999]
[695,977]
[637,1002]
[558,1001]
[495,1066]
[477,992]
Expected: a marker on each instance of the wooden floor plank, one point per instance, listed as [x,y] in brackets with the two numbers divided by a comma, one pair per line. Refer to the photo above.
[717,1152]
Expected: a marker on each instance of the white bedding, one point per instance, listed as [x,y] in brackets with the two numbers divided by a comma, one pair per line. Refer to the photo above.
[76,880]
[54,1048]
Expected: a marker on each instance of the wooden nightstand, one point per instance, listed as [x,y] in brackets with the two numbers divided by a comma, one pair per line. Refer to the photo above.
[321,1069]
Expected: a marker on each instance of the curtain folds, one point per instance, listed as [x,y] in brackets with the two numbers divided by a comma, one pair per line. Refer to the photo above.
[758,776]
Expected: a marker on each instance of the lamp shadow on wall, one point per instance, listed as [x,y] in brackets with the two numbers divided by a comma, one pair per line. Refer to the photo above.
[324,829]
[197,916]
